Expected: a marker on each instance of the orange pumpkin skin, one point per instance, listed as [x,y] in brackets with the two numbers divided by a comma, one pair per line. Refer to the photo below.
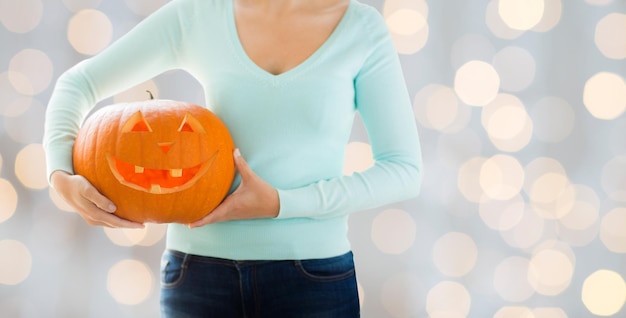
[159,161]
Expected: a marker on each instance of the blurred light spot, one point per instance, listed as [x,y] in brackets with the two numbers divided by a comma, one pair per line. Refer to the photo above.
[527,232]
[514,312]
[421,103]
[559,246]
[510,280]
[468,179]
[521,14]
[144,7]
[21,83]
[358,157]
[58,201]
[496,25]
[148,236]
[393,231]
[507,123]
[538,167]
[28,127]
[405,22]
[605,95]
[455,254]
[8,200]
[502,215]
[553,119]
[437,107]
[442,108]
[575,237]
[410,44]
[125,237]
[138,93]
[585,209]
[400,295]
[501,177]
[476,83]
[552,196]
[550,193]
[581,225]
[391,6]
[612,231]
[604,292]
[454,149]
[21,16]
[35,66]
[614,178]
[155,233]
[77,5]
[516,68]
[448,300]
[16,264]
[550,272]
[89,31]
[471,47]
[130,282]
[407,42]
[18,106]
[553,9]
[30,167]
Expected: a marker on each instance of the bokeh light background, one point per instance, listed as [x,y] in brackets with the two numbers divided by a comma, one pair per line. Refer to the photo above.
[520,105]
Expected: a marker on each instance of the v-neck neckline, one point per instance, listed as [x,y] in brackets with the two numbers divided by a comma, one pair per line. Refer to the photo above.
[258,70]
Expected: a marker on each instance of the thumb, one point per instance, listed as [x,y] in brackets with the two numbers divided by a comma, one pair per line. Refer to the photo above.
[91,193]
[242,166]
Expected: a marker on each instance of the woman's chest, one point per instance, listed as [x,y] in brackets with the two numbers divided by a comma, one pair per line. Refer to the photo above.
[280,44]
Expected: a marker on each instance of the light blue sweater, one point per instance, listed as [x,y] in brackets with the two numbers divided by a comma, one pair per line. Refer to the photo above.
[291,128]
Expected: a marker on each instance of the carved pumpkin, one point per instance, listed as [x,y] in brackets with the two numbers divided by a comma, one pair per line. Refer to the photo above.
[159,161]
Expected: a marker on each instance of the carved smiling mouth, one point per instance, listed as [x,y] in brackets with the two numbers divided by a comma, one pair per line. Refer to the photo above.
[157,181]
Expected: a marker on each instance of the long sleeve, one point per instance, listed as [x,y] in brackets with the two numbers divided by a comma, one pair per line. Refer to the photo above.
[383,103]
[147,50]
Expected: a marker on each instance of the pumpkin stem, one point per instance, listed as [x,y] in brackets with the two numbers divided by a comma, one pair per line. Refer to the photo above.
[150,93]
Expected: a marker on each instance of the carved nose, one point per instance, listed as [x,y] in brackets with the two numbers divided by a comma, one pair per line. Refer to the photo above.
[165,146]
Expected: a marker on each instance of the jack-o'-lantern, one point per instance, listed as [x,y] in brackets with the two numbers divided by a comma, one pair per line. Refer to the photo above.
[159,161]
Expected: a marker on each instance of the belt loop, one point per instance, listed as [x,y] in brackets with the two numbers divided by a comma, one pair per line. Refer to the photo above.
[186,260]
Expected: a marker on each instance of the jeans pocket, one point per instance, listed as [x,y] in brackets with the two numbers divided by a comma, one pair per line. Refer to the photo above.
[327,269]
[173,269]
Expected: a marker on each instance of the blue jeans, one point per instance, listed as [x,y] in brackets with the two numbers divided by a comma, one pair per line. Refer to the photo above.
[197,286]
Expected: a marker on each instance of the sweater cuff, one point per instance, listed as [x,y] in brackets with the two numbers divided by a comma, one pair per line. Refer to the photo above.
[59,159]
[293,203]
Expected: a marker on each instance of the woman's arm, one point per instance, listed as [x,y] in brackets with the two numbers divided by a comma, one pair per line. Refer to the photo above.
[384,105]
[147,50]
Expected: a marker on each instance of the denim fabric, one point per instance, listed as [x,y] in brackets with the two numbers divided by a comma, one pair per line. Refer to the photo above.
[196,286]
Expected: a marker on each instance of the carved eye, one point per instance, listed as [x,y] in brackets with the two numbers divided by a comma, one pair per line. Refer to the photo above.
[136,123]
[191,124]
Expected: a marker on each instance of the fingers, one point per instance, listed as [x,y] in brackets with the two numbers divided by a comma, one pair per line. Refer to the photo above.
[254,198]
[242,166]
[91,194]
[217,215]
[91,205]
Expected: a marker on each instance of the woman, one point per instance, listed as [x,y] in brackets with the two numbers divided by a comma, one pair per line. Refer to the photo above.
[286,77]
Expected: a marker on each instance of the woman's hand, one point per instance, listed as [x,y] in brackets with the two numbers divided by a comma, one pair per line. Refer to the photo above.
[83,197]
[253,199]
